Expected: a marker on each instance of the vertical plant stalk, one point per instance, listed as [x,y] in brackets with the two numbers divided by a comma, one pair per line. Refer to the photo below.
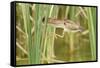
[92,32]
[67,11]
[37,34]
[28,26]
[71,35]
[53,35]
[50,42]
[44,34]
[50,36]
[78,43]
[71,41]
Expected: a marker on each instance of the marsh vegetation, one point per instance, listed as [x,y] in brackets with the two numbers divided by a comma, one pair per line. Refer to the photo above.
[38,42]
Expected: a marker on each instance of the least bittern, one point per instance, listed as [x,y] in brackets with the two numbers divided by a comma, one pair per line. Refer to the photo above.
[67,25]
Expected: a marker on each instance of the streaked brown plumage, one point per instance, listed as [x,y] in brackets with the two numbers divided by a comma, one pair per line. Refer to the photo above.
[67,25]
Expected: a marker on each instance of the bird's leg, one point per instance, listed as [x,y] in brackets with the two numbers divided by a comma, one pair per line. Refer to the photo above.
[57,35]
[61,36]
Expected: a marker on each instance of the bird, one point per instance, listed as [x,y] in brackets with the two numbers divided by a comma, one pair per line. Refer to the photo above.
[66,24]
